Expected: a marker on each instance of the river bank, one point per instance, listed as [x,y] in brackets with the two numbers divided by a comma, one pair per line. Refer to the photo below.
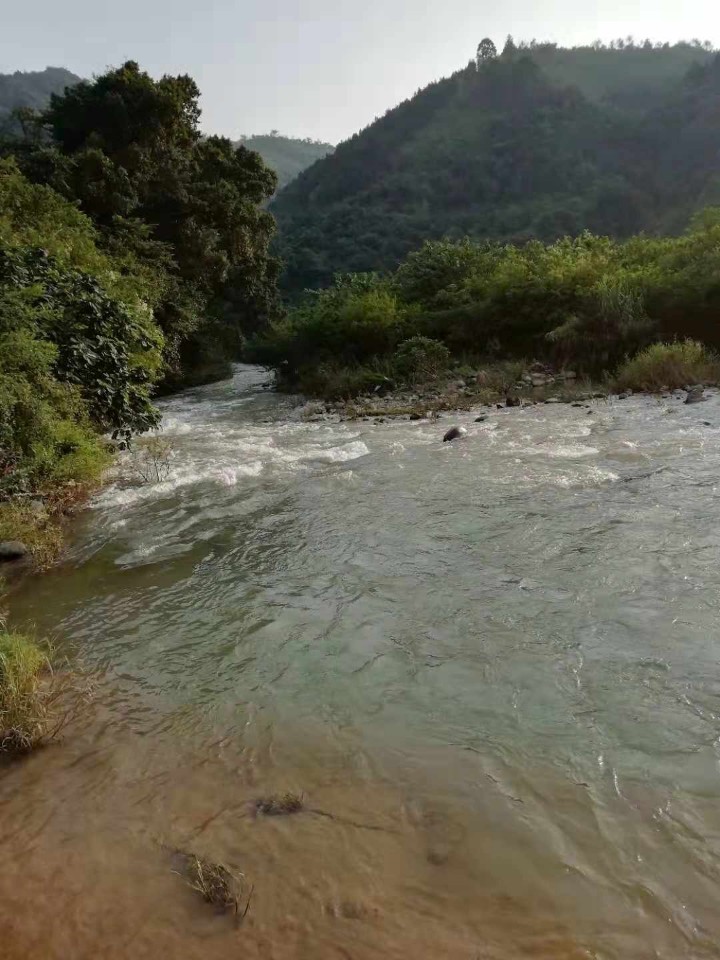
[430,401]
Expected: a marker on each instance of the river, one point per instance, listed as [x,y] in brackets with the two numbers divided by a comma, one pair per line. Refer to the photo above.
[490,668]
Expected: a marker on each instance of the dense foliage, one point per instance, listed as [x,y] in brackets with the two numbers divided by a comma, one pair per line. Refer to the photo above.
[534,143]
[287,156]
[186,210]
[587,302]
[79,349]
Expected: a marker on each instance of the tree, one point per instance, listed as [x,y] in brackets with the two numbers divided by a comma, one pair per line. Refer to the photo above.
[509,50]
[128,148]
[486,51]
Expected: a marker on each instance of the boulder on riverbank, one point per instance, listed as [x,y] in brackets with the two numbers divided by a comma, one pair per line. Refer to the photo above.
[12,550]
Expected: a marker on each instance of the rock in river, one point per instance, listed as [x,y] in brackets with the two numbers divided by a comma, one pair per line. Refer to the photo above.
[454,433]
[695,394]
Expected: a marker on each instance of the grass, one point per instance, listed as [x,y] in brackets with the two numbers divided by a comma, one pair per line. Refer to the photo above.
[35,702]
[23,708]
[40,531]
[669,366]
[40,523]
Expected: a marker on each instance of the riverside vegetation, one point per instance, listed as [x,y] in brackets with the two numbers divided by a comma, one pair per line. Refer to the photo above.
[484,311]
[133,257]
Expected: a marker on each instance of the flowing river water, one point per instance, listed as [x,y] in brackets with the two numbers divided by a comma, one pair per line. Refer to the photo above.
[490,668]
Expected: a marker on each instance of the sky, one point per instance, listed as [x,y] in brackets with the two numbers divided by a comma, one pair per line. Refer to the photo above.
[315,68]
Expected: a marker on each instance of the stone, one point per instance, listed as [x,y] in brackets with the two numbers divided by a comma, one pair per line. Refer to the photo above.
[415,416]
[695,394]
[569,375]
[12,550]
[481,419]
[623,396]
[511,401]
[454,433]
[553,400]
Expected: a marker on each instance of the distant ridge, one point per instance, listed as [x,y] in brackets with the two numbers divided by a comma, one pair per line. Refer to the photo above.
[31,89]
[287,156]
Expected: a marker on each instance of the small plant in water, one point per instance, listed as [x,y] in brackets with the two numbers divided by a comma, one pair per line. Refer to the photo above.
[279,805]
[151,459]
[213,881]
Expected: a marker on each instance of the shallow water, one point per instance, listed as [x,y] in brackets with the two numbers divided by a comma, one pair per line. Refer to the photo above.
[491,667]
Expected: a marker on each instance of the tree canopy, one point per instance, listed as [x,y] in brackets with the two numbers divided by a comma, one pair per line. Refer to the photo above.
[128,149]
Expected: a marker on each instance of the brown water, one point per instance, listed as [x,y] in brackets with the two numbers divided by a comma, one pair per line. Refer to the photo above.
[491,668]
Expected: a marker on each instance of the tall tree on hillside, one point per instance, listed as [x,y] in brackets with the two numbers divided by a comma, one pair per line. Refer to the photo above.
[486,51]
[509,50]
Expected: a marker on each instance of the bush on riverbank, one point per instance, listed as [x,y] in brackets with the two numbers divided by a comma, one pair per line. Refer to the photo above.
[79,352]
[669,366]
[585,304]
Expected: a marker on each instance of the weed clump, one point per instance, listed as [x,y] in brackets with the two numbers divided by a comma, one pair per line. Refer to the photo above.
[279,805]
[213,881]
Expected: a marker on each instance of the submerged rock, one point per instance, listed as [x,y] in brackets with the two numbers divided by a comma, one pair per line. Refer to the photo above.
[481,419]
[12,550]
[454,433]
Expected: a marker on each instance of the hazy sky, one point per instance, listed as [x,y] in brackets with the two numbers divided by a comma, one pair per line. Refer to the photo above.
[318,68]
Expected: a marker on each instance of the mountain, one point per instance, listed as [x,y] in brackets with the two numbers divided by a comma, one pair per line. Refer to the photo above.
[537,142]
[32,89]
[287,156]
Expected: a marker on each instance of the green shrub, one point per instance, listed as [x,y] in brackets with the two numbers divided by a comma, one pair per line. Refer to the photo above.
[336,382]
[669,365]
[420,359]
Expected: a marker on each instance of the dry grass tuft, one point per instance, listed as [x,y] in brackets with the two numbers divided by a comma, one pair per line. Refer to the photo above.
[279,805]
[213,881]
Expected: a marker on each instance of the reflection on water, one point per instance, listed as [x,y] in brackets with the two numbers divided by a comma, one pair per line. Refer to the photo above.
[490,667]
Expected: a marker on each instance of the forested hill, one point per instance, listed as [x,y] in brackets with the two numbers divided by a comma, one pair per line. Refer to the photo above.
[536,141]
[287,156]
[32,89]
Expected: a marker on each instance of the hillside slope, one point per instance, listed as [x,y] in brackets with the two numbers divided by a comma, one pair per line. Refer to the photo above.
[287,156]
[508,149]
[31,89]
